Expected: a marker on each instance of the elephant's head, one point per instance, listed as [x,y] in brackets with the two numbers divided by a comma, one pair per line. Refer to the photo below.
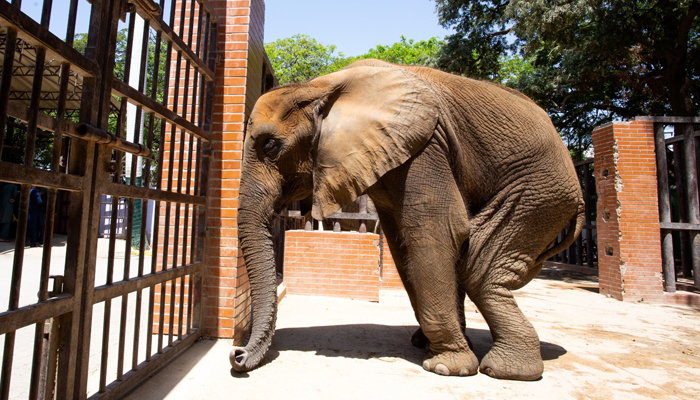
[332,137]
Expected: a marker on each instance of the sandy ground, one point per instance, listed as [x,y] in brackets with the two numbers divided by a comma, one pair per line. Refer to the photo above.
[593,348]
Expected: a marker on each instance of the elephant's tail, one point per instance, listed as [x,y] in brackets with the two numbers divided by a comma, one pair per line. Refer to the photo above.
[575,227]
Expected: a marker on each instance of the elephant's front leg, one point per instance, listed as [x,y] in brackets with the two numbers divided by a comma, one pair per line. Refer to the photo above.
[426,224]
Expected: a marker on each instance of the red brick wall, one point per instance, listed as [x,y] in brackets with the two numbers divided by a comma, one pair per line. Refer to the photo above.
[342,264]
[629,245]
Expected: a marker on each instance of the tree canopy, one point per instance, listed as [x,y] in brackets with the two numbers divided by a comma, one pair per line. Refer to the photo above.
[584,61]
[300,57]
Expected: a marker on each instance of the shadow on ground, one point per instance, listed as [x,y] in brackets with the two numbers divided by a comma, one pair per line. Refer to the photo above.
[568,273]
[9,247]
[367,341]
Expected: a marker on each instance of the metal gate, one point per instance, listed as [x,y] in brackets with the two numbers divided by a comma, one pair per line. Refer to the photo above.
[677,169]
[121,107]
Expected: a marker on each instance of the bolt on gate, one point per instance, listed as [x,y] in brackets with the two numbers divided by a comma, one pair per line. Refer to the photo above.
[122,109]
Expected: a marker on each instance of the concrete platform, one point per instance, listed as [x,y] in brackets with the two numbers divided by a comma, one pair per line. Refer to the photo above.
[594,348]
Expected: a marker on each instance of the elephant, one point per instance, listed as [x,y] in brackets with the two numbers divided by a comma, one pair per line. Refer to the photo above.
[471,182]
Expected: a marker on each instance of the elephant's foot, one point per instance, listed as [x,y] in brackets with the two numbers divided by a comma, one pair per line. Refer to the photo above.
[520,365]
[421,341]
[451,363]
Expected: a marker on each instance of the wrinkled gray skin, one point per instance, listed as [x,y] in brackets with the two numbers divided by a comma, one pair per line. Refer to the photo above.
[471,182]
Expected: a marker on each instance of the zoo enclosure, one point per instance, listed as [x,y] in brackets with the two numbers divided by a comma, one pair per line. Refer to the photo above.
[84,102]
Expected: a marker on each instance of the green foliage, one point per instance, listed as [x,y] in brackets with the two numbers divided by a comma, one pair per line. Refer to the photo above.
[405,51]
[300,58]
[591,61]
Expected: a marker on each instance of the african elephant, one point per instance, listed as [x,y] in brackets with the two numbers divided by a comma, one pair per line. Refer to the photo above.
[471,182]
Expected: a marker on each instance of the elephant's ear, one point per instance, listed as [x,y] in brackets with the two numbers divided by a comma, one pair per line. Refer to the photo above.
[371,121]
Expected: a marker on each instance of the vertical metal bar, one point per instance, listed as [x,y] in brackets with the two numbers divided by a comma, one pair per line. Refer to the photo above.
[166,236]
[681,196]
[159,178]
[166,239]
[692,194]
[182,18]
[191,19]
[589,207]
[46,14]
[144,202]
[125,296]
[664,208]
[110,256]
[9,349]
[50,384]
[6,80]
[70,26]
[34,106]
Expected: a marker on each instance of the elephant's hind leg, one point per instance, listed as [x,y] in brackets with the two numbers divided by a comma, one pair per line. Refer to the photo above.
[505,245]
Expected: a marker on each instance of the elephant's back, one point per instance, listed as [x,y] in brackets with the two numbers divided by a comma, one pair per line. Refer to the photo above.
[506,138]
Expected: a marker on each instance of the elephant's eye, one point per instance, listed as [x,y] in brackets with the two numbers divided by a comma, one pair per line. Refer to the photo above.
[271,147]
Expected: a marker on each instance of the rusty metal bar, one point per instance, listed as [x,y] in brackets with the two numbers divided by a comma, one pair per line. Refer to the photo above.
[15,285]
[34,106]
[693,203]
[121,89]
[13,320]
[185,98]
[664,208]
[6,80]
[106,292]
[101,136]
[23,175]
[70,26]
[166,235]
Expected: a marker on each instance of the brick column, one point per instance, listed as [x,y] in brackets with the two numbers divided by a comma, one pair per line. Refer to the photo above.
[629,241]
[239,77]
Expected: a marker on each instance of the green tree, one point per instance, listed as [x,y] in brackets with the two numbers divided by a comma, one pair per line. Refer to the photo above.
[592,60]
[300,58]
[405,51]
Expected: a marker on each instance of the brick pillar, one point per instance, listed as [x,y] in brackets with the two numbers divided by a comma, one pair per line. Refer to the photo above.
[239,77]
[629,241]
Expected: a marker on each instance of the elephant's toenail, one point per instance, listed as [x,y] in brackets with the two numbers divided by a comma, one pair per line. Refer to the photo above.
[441,369]
[464,372]
[426,365]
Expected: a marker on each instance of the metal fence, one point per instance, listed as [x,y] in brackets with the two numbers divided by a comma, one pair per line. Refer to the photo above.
[91,106]
[679,205]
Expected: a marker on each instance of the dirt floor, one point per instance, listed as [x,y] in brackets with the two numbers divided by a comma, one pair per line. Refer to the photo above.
[593,348]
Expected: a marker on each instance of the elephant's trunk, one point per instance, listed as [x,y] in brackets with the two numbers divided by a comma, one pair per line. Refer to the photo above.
[255,239]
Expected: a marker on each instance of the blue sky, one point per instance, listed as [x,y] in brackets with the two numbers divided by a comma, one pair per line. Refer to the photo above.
[354,26]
